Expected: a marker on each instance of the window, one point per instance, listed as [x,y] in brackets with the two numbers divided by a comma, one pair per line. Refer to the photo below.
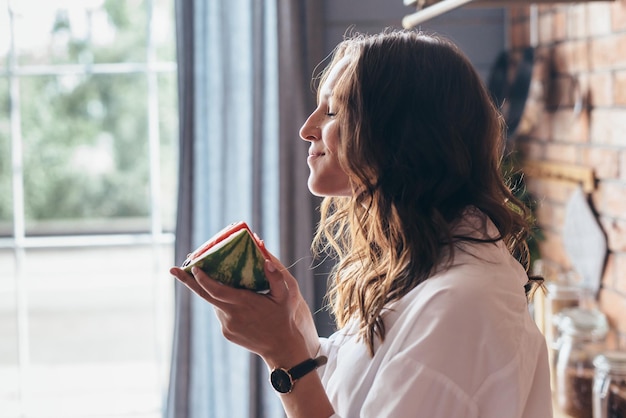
[88,157]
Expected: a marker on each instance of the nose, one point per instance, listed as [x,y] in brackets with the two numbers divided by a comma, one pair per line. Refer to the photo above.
[309,130]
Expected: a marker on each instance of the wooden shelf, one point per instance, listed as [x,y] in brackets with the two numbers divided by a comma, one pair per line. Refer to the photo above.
[563,172]
[499,2]
[429,9]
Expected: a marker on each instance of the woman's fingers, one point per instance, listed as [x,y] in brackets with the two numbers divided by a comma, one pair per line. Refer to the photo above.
[212,290]
[190,281]
[281,281]
[274,273]
[205,287]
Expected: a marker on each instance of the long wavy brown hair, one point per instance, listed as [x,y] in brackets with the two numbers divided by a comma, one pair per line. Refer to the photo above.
[421,141]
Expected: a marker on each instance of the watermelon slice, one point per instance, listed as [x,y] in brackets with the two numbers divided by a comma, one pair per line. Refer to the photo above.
[234,256]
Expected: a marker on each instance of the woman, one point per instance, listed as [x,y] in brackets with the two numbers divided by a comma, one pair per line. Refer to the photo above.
[427,290]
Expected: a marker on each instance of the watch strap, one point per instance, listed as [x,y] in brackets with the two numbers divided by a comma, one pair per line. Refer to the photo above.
[307,366]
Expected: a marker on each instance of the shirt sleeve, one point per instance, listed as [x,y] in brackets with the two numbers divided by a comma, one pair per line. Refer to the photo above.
[328,347]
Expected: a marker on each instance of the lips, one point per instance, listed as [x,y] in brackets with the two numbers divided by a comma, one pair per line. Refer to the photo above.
[316,153]
[314,156]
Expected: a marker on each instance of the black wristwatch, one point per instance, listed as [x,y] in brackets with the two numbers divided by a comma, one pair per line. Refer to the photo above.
[283,380]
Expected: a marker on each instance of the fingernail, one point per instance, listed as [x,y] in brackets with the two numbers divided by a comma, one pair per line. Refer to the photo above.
[270,266]
[195,270]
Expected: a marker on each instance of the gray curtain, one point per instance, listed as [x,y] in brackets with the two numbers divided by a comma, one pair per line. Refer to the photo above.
[244,90]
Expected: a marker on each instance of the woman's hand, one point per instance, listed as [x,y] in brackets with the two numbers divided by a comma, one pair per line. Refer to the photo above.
[278,325]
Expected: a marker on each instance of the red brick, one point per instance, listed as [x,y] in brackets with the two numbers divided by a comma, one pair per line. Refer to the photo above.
[600,89]
[519,35]
[550,214]
[604,161]
[581,60]
[532,150]
[561,57]
[545,28]
[577,21]
[598,18]
[532,116]
[519,12]
[595,197]
[610,199]
[619,89]
[608,126]
[565,91]
[618,15]
[543,127]
[544,213]
[559,22]
[571,57]
[619,269]
[569,126]
[561,152]
[615,230]
[608,52]
[586,41]
[545,9]
[614,306]
[609,274]
[556,191]
[552,249]
[542,62]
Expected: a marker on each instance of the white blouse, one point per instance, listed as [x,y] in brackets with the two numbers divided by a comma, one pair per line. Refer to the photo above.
[461,344]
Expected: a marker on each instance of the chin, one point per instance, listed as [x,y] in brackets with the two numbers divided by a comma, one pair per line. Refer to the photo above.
[329,185]
[329,192]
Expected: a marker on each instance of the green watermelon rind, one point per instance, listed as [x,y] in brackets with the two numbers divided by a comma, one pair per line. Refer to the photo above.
[237,263]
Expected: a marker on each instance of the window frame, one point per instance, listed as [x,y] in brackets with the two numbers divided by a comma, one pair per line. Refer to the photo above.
[19,241]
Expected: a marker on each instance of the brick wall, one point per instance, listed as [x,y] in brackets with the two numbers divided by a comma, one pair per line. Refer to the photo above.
[581,56]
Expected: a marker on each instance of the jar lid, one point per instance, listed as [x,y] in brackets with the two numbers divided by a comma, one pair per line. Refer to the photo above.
[611,360]
[582,321]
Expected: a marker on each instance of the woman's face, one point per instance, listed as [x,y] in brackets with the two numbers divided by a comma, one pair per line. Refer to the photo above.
[321,130]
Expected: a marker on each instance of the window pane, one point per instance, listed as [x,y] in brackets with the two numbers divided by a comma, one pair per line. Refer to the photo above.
[95,341]
[9,379]
[127,41]
[85,152]
[164,30]
[5,35]
[168,131]
[79,32]
[6,202]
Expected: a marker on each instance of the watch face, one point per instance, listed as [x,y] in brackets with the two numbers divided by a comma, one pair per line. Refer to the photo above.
[281,381]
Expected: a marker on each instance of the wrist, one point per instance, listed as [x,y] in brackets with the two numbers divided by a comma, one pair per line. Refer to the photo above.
[283,380]
[292,350]
[286,358]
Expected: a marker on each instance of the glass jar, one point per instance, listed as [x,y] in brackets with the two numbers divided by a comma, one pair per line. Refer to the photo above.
[559,296]
[582,335]
[609,385]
